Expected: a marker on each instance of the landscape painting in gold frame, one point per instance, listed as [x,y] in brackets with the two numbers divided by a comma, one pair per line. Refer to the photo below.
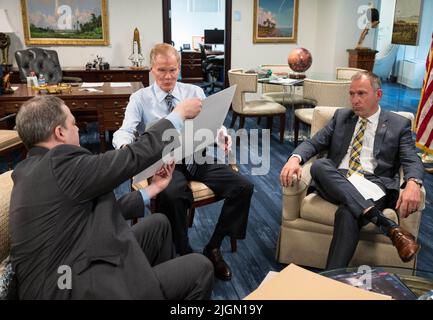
[65,22]
[275,21]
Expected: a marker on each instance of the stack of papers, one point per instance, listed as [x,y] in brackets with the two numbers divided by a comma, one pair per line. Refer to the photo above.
[120,84]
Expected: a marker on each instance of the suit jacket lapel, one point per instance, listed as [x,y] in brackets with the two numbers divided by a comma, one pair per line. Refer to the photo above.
[382,126]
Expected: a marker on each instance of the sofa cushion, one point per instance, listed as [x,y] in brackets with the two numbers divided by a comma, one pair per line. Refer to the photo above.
[326,214]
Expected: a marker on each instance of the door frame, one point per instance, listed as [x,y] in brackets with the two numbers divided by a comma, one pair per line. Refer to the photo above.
[166,29]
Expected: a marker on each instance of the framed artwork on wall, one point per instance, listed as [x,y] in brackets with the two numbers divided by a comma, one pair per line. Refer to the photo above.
[275,21]
[406,22]
[65,22]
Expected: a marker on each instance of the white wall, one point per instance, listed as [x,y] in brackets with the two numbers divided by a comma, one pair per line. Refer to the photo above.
[124,16]
[326,27]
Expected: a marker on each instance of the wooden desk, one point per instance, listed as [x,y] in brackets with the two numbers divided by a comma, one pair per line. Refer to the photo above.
[114,74]
[107,107]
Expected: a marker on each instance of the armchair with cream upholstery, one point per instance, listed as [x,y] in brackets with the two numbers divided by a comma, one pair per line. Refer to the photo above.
[343,73]
[7,289]
[324,93]
[307,222]
[9,142]
[247,83]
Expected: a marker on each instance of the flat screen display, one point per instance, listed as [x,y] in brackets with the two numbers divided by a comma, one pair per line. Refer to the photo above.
[213,36]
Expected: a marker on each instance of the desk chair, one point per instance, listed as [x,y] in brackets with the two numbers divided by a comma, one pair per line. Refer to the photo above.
[41,61]
[202,195]
[212,67]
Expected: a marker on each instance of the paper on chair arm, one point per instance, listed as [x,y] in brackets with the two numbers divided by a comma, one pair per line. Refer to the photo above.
[368,189]
[211,118]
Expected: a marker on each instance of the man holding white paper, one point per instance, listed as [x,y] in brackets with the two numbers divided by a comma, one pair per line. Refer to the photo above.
[155,102]
[372,143]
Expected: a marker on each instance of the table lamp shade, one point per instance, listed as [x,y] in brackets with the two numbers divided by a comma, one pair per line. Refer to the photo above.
[5,41]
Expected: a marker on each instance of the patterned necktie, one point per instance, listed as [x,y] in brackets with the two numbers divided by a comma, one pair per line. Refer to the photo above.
[169,100]
[355,153]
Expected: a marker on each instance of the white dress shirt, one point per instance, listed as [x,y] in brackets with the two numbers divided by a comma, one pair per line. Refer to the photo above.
[148,105]
[368,162]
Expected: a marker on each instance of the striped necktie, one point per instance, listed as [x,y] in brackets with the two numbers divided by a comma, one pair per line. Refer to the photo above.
[355,153]
[169,100]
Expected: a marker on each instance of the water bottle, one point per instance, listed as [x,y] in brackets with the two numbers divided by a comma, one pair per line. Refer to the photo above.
[41,80]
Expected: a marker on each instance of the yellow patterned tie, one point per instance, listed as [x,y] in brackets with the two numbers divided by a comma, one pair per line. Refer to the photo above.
[355,153]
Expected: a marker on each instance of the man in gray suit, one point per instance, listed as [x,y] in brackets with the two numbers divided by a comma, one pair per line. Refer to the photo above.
[374,143]
[69,239]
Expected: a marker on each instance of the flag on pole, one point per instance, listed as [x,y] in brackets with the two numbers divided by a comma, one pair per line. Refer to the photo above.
[424,117]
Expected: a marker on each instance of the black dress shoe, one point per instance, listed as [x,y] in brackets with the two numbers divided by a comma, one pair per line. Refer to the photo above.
[221,268]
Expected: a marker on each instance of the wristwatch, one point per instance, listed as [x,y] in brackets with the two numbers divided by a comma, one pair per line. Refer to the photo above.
[417,181]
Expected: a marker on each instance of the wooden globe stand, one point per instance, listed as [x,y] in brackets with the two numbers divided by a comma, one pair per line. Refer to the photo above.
[297,76]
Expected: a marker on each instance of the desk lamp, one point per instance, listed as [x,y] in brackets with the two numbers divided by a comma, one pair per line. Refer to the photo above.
[5,41]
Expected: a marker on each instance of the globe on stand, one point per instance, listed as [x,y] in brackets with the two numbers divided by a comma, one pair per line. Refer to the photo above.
[299,60]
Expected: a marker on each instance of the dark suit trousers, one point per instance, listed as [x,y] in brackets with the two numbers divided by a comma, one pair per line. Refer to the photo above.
[332,185]
[185,278]
[235,189]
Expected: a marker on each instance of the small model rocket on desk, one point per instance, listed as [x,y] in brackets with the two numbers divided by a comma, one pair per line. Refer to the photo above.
[136,57]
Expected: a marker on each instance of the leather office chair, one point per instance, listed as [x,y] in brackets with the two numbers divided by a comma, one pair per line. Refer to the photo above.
[308,220]
[247,82]
[212,69]
[41,61]
[202,195]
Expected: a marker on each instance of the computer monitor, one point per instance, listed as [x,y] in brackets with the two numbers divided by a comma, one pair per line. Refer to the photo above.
[213,36]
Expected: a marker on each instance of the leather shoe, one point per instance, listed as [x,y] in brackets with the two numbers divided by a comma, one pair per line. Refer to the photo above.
[405,243]
[221,268]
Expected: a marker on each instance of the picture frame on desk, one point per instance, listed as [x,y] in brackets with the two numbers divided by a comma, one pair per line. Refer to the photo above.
[275,21]
[48,22]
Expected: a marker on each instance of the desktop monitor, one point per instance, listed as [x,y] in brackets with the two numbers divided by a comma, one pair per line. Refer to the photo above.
[213,36]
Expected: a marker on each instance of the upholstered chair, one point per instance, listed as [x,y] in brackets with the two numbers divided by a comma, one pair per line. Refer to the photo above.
[384,63]
[307,222]
[202,195]
[247,83]
[9,142]
[324,93]
[41,61]
[343,73]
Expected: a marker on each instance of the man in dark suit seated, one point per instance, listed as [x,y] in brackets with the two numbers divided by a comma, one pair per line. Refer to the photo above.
[69,239]
[374,143]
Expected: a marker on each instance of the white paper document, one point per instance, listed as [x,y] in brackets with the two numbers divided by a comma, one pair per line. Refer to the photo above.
[368,189]
[120,84]
[211,117]
[91,84]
